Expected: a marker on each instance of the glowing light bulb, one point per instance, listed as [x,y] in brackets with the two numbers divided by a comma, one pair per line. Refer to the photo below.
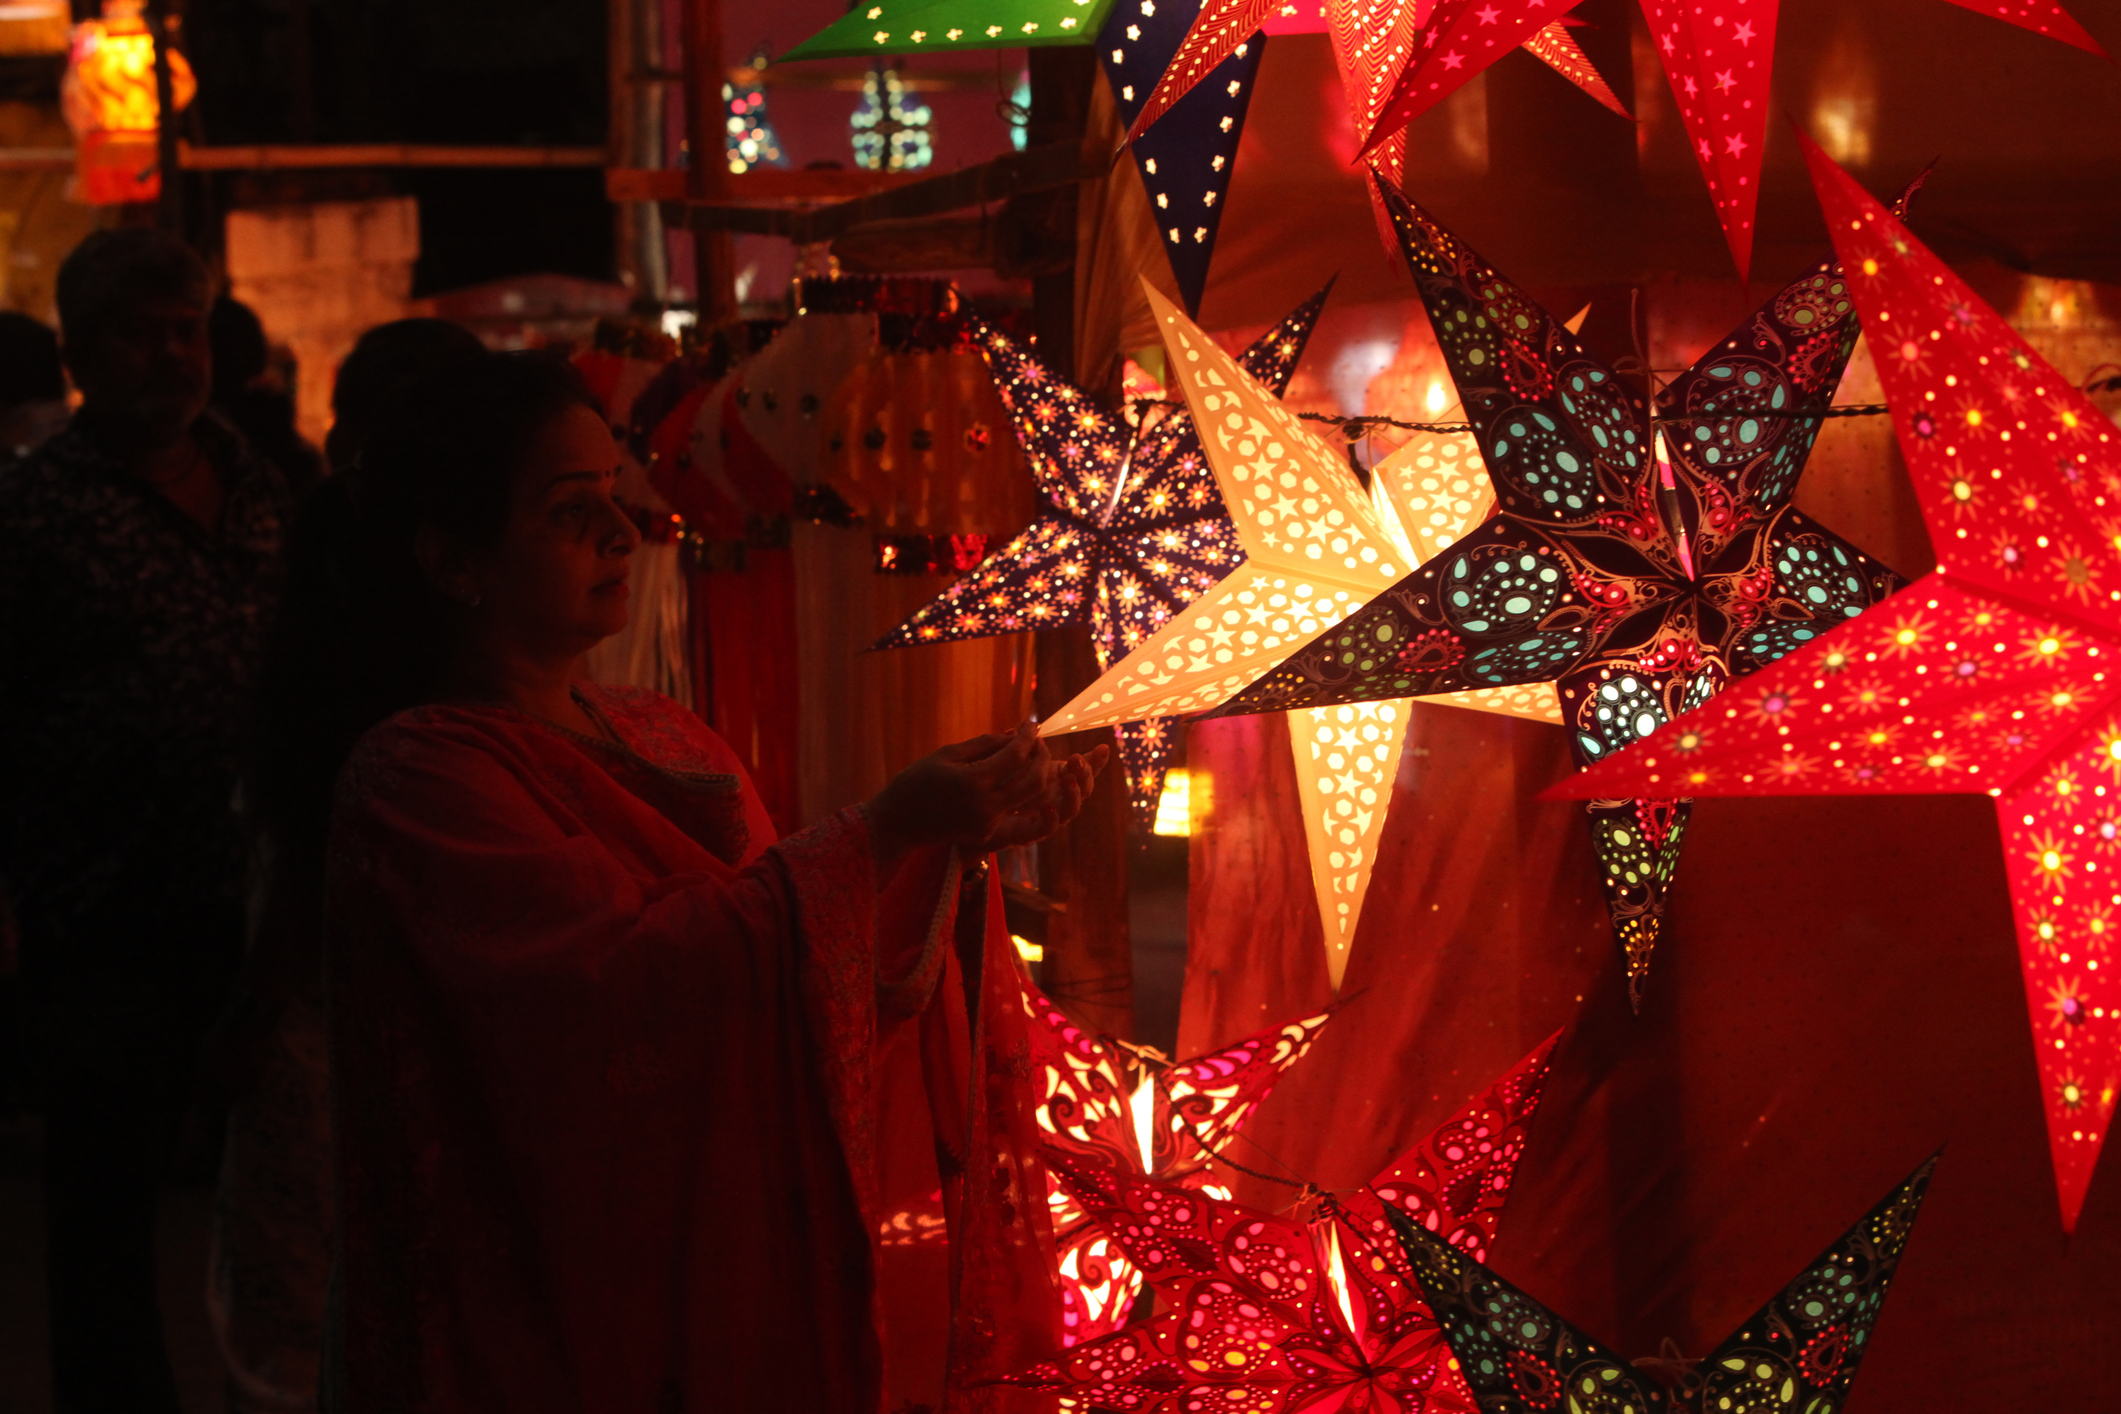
[1437,399]
[1174,806]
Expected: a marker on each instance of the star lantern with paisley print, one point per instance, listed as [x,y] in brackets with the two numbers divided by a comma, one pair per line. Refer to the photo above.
[1999,673]
[1798,1353]
[1275,1315]
[1638,561]
[1317,546]
[1130,528]
[1104,1102]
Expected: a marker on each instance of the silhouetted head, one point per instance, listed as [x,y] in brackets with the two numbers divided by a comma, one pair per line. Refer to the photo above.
[389,359]
[133,309]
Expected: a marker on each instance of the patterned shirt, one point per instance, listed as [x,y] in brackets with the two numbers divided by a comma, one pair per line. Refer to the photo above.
[130,634]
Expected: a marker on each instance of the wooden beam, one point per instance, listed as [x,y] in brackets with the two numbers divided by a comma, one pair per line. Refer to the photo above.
[761,186]
[36,159]
[280,157]
[1038,169]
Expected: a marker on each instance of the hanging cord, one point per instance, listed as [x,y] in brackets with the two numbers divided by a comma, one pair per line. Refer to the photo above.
[1156,1063]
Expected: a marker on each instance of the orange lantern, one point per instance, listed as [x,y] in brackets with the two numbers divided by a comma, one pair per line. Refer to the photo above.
[110,103]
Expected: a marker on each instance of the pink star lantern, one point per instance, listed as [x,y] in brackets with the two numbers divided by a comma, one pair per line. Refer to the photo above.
[1719,56]
[1999,672]
[1268,1314]
[1104,1103]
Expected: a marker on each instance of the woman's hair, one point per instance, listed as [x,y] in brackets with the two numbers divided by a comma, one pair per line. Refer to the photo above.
[361,633]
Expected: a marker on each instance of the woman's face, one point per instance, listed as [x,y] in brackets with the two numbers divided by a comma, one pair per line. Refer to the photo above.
[555,586]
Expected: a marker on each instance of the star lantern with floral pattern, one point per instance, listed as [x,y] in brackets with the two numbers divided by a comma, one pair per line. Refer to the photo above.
[1275,1315]
[1638,562]
[1999,673]
[1131,527]
[1799,1353]
[1128,1108]
[1317,546]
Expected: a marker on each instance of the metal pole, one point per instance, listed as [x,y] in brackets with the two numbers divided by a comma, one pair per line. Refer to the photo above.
[169,209]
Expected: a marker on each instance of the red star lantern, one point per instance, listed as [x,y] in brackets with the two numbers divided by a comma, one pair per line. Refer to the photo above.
[1999,672]
[1124,1107]
[1272,1314]
[1399,58]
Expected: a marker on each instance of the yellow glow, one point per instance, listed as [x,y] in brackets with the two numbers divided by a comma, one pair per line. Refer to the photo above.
[2050,645]
[1904,637]
[2050,860]
[1028,950]
[1141,1106]
[1174,806]
[1437,399]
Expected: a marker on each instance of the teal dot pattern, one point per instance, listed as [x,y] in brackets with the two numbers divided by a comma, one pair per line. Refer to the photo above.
[1593,569]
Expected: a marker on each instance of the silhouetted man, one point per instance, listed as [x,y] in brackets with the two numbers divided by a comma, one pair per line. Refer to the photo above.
[137,554]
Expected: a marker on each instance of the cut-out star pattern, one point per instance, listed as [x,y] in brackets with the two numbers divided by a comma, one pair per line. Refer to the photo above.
[1131,528]
[1266,1314]
[1718,56]
[1186,160]
[1998,673]
[1639,566]
[1317,547]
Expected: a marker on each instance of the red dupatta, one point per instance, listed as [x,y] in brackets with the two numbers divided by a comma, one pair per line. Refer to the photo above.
[605,1071]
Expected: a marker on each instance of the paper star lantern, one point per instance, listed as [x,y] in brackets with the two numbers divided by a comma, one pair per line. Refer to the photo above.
[1131,528]
[1372,40]
[1105,1104]
[911,27]
[1718,57]
[1185,163]
[1428,494]
[1999,672]
[1317,546]
[1638,566]
[1269,1313]
[1798,1353]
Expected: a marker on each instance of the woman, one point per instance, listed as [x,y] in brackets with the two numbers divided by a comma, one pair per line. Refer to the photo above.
[601,1048]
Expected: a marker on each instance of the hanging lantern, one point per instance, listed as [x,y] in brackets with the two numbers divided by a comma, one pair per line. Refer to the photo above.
[110,103]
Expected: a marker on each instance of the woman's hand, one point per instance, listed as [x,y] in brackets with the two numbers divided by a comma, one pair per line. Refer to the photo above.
[1000,789]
